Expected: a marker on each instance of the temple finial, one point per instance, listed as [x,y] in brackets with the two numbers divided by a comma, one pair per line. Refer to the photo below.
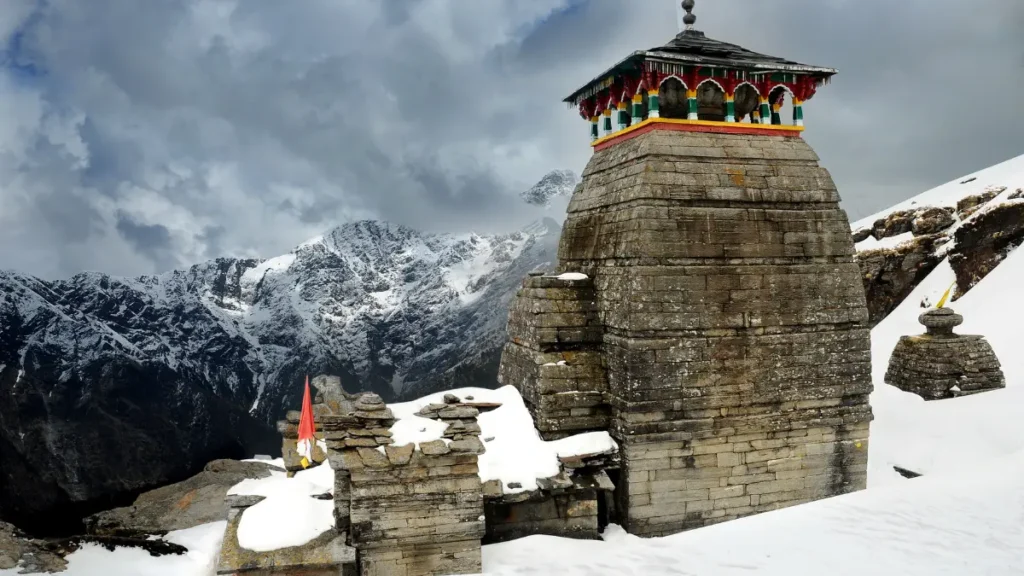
[689,19]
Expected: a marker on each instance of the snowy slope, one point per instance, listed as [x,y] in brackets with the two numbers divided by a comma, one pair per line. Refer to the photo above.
[1009,174]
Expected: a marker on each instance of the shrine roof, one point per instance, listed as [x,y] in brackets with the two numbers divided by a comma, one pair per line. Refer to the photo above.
[694,48]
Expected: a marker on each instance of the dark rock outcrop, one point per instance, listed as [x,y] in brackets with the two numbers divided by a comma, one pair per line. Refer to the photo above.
[198,500]
[891,274]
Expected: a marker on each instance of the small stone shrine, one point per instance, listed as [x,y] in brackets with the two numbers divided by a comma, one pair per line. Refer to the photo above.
[941,364]
[707,310]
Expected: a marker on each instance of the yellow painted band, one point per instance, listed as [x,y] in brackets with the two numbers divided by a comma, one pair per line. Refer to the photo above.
[638,99]
[777,127]
[798,102]
[730,98]
[653,92]
[607,112]
[622,105]
[595,119]
[764,100]
[691,93]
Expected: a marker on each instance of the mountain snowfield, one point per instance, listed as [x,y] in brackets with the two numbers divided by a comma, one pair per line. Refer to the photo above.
[964,516]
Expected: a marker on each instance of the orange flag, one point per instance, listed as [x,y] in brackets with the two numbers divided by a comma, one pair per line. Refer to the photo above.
[307,429]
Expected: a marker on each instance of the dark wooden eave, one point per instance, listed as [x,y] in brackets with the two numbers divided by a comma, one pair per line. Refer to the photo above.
[694,48]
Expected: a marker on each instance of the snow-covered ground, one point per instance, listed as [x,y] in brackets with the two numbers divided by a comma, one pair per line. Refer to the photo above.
[965,523]
[964,516]
[1009,174]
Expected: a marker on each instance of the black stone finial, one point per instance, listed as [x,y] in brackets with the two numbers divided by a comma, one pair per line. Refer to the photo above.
[689,19]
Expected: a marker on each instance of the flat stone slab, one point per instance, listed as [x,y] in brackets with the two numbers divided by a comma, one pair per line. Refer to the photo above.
[327,554]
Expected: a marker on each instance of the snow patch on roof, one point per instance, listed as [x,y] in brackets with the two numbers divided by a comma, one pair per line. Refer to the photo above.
[515,451]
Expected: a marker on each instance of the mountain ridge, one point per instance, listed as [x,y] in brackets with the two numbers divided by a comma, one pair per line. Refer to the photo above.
[202,360]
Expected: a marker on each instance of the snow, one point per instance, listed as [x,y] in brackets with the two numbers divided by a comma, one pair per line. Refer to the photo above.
[1009,174]
[573,276]
[288,502]
[515,451]
[891,242]
[203,543]
[278,264]
[944,436]
[968,522]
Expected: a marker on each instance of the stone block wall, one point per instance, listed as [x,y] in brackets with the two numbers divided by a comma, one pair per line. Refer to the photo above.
[571,515]
[735,325]
[409,511]
[553,356]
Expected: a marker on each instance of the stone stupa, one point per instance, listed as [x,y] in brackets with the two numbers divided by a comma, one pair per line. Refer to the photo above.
[941,364]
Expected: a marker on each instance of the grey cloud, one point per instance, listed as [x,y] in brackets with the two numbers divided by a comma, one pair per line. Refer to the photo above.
[220,127]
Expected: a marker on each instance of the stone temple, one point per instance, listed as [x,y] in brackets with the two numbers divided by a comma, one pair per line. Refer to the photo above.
[706,308]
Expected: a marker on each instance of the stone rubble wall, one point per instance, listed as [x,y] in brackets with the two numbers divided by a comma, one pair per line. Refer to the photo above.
[931,366]
[553,356]
[410,511]
[735,325]
[571,515]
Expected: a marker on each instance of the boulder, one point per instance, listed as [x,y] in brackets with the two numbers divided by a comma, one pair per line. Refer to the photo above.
[198,500]
[933,221]
[970,204]
[31,556]
[894,224]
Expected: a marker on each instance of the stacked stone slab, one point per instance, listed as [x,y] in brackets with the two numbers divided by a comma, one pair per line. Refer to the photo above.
[734,325]
[409,511]
[941,364]
[554,357]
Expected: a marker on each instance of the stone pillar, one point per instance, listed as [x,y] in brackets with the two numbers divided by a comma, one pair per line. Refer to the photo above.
[692,106]
[653,104]
[777,111]
[638,109]
[607,121]
[730,107]
[941,364]
[735,326]
[553,356]
[798,112]
[413,511]
[766,111]
[623,113]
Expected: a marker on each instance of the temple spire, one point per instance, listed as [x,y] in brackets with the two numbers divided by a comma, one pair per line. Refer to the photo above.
[689,19]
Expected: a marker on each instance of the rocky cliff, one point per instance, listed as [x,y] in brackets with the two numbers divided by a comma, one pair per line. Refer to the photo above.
[974,221]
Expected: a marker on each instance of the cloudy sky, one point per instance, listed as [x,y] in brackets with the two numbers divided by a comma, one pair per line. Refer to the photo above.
[139,136]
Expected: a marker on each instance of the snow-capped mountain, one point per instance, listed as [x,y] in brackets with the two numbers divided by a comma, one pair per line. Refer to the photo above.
[198,363]
[555,184]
